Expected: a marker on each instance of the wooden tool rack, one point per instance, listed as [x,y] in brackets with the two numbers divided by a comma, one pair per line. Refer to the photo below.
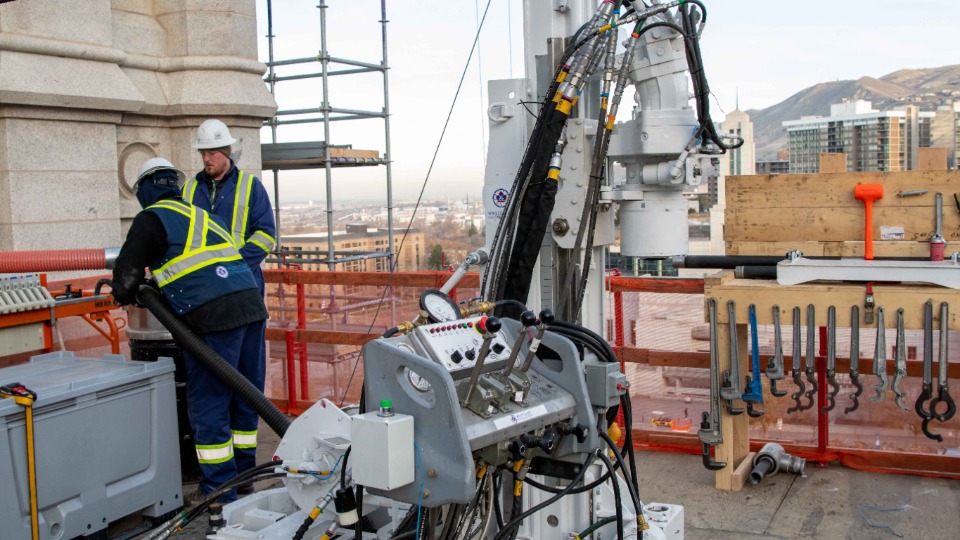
[817,213]
[735,450]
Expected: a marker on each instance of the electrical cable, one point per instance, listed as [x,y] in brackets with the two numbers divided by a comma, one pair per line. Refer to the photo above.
[589,530]
[423,188]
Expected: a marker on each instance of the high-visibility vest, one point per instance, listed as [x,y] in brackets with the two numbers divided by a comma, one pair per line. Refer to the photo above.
[201,263]
[241,211]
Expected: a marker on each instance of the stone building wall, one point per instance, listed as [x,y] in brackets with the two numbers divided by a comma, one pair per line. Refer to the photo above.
[90,89]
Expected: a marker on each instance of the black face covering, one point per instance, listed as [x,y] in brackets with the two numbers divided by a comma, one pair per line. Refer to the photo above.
[159,185]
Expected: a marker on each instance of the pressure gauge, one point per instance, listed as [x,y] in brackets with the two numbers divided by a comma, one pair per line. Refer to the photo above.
[417,380]
[439,306]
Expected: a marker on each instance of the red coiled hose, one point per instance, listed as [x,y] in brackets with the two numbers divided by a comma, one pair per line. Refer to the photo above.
[52,260]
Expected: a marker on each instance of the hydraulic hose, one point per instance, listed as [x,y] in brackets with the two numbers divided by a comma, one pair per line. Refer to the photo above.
[184,337]
[57,260]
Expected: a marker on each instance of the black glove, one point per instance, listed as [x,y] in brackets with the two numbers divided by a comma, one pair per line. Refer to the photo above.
[126,283]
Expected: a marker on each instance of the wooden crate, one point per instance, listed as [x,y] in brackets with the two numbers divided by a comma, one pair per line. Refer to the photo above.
[818,214]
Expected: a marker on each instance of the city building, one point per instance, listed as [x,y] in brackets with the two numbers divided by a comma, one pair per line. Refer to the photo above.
[362,249]
[872,140]
[737,161]
[773,167]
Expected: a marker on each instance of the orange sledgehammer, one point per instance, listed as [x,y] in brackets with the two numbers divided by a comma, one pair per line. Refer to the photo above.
[868,193]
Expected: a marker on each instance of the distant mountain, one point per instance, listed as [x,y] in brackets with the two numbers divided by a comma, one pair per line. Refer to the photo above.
[925,87]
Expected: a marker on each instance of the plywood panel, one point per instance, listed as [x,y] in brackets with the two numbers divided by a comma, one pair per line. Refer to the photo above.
[932,159]
[818,213]
[833,163]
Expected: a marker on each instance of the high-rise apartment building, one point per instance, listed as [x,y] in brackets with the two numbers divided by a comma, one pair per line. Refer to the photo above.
[737,161]
[871,139]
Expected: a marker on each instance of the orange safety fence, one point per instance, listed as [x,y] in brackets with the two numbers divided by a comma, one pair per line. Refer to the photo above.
[320,320]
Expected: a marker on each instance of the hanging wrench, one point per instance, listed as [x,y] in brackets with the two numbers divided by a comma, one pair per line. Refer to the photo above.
[854,359]
[880,359]
[900,363]
[811,364]
[710,433]
[943,393]
[754,393]
[926,393]
[732,389]
[796,363]
[832,358]
[775,364]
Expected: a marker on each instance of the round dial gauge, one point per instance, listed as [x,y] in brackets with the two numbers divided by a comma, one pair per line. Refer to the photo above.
[417,380]
[439,306]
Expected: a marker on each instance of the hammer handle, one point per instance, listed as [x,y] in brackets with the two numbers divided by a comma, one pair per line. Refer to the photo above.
[868,231]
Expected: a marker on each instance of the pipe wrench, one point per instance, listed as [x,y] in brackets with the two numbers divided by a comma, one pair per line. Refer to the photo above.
[900,363]
[880,359]
[775,363]
[832,359]
[710,434]
[926,393]
[732,388]
[796,363]
[854,359]
[811,361]
[943,393]
[754,394]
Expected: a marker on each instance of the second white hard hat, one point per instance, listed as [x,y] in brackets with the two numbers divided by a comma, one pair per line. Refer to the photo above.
[153,165]
[213,134]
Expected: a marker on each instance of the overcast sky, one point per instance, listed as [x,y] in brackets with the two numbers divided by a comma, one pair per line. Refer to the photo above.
[766,51]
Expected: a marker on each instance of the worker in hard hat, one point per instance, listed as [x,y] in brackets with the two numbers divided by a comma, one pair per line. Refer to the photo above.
[239,198]
[202,275]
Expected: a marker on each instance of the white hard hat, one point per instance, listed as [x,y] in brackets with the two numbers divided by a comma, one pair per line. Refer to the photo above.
[213,134]
[153,165]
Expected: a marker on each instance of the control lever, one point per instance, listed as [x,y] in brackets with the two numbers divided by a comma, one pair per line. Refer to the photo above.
[731,389]
[546,442]
[754,393]
[809,367]
[943,393]
[796,364]
[854,359]
[880,359]
[900,363]
[709,433]
[926,392]
[832,359]
[546,317]
[775,364]
[489,326]
[527,319]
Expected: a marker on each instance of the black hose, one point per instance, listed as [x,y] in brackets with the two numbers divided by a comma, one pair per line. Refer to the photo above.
[617,497]
[186,338]
[514,523]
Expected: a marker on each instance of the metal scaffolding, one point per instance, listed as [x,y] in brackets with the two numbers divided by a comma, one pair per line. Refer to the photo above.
[324,154]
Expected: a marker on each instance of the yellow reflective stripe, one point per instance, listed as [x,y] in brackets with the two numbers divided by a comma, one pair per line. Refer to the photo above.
[181,266]
[239,221]
[189,189]
[180,208]
[214,453]
[192,237]
[263,240]
[221,232]
[244,439]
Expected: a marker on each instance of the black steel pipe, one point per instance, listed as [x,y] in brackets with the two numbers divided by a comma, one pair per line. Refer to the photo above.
[755,272]
[733,261]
